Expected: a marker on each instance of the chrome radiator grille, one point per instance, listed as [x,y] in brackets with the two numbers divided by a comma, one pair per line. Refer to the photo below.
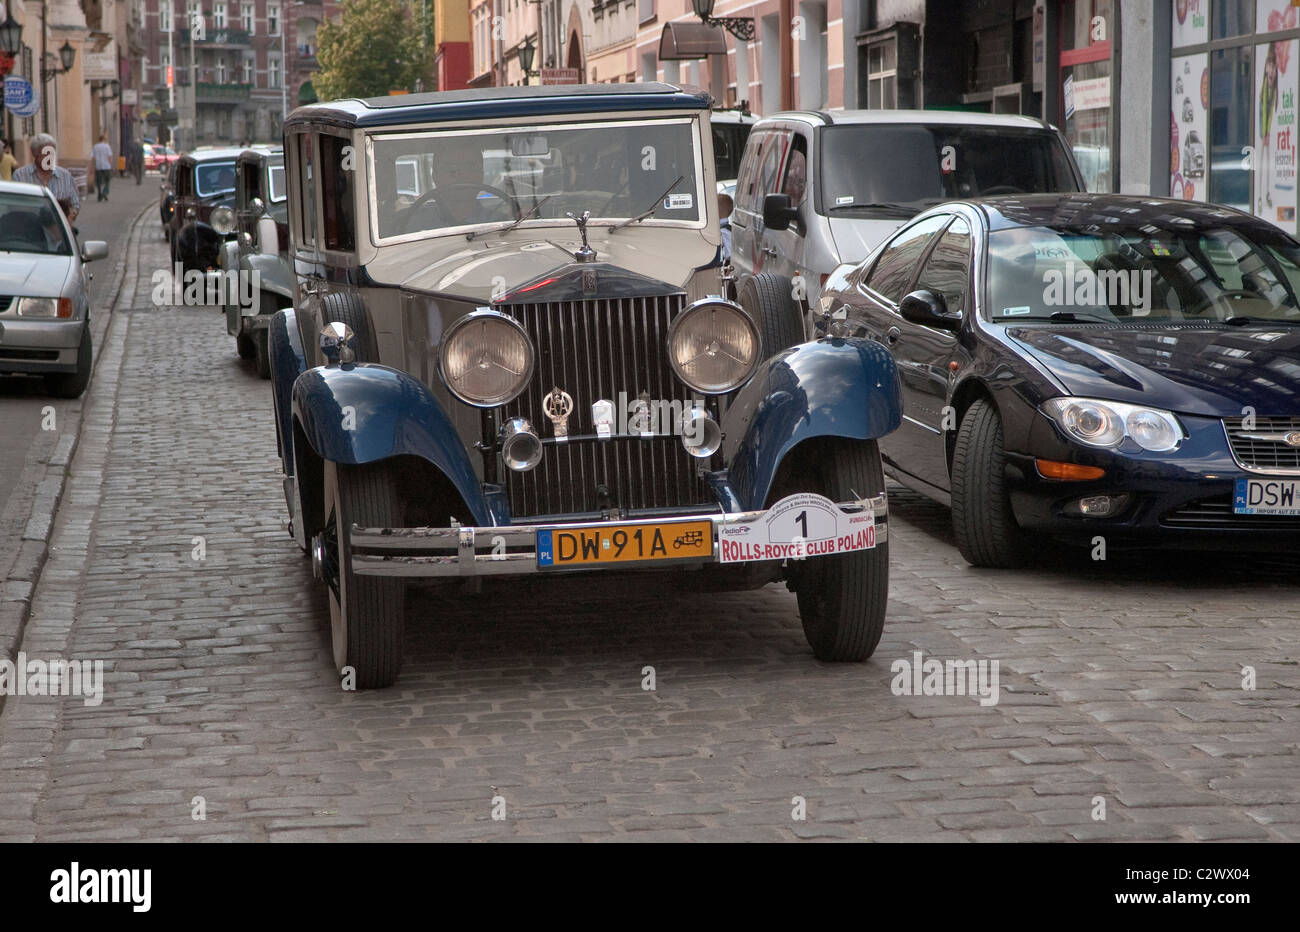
[594,350]
[1264,447]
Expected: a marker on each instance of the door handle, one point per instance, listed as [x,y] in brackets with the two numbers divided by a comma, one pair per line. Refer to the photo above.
[892,335]
[769,250]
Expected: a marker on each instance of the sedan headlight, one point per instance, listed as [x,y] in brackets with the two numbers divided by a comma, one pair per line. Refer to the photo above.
[222,219]
[45,307]
[486,359]
[713,346]
[1107,423]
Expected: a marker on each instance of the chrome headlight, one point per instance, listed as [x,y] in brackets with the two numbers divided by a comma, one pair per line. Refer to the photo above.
[713,346]
[486,359]
[222,219]
[1107,423]
[44,307]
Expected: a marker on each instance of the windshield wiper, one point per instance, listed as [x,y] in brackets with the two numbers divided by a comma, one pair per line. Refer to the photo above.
[529,214]
[1067,316]
[654,205]
[878,205]
[1241,320]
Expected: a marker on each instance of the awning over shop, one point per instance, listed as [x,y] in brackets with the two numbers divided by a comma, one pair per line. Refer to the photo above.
[306,93]
[691,41]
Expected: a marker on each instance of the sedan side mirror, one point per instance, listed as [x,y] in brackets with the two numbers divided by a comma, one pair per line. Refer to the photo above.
[928,309]
[778,214]
[93,249]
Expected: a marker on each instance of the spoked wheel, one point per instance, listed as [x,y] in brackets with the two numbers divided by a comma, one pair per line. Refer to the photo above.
[366,612]
[843,597]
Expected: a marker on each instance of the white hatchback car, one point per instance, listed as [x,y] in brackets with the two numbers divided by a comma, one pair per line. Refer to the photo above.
[44,295]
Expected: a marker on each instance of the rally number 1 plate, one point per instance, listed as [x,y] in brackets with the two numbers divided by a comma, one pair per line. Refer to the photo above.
[635,543]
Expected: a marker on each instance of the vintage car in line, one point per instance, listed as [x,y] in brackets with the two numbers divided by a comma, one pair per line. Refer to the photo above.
[201,213]
[1085,365]
[259,251]
[44,292]
[480,381]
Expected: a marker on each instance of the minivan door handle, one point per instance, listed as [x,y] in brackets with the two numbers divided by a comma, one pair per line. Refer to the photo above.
[770,250]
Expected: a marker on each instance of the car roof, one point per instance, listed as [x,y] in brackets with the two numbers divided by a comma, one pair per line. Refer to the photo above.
[733,116]
[213,154]
[22,187]
[928,117]
[502,103]
[1007,211]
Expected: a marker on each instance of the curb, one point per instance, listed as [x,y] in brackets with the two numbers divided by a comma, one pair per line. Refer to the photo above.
[22,575]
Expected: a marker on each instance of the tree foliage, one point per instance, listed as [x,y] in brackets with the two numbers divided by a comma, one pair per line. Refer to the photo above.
[373,49]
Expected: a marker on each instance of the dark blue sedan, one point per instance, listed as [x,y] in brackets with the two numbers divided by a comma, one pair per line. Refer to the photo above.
[1083,366]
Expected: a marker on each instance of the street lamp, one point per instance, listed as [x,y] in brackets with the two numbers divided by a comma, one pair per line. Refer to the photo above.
[526,53]
[742,27]
[11,35]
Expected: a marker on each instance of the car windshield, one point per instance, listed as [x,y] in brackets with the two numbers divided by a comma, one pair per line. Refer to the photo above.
[618,170]
[1117,273]
[214,178]
[30,224]
[914,165]
[276,173]
[728,146]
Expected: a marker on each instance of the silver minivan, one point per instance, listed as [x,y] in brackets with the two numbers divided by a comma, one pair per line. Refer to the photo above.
[819,189]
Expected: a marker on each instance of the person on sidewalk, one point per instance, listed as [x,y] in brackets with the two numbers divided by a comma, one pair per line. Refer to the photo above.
[46,172]
[7,162]
[102,153]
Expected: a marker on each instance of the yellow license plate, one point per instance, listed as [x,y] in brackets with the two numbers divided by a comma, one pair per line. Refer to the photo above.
[627,543]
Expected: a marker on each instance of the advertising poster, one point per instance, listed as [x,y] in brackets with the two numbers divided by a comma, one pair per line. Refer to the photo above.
[1189,157]
[1274,156]
[1190,24]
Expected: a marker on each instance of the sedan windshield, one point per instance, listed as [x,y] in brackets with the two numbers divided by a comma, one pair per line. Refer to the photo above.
[1197,272]
[214,178]
[868,167]
[620,170]
[30,224]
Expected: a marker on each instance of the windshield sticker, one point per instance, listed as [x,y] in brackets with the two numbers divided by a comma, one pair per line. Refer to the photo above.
[678,202]
[1016,311]
[843,199]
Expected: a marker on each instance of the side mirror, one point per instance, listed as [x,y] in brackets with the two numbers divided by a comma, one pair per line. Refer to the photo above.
[928,309]
[778,213]
[93,249]
[257,206]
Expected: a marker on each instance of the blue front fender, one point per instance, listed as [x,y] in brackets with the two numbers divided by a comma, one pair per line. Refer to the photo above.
[828,388]
[288,361]
[366,413]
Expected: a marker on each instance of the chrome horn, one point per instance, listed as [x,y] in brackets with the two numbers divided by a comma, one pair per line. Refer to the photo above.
[701,434]
[521,448]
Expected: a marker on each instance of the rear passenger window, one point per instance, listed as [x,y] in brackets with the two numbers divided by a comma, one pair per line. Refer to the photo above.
[947,271]
[896,267]
[336,194]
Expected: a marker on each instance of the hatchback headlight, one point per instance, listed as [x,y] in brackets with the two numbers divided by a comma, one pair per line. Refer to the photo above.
[713,346]
[1107,423]
[486,359]
[45,307]
[222,219]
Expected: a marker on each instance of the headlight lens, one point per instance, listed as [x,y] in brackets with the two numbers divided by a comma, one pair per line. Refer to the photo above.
[1107,423]
[45,307]
[222,219]
[486,359]
[713,346]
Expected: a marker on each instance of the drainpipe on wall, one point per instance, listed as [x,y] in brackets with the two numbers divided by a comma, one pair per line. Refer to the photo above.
[784,26]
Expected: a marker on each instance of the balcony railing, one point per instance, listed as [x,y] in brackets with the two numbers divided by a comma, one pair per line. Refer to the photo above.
[216,37]
[213,91]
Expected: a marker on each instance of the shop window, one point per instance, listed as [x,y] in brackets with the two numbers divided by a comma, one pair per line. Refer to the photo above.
[1232,78]
[1231,18]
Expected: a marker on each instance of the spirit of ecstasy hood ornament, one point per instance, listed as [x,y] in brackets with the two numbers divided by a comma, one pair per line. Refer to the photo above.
[586,253]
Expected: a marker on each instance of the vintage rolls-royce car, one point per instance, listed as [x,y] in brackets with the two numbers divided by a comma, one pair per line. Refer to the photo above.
[504,359]
[259,251]
[202,215]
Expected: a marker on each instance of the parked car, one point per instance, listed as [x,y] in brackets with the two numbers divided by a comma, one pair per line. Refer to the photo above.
[44,292]
[167,199]
[819,189]
[731,128]
[203,215]
[158,157]
[476,384]
[1078,366]
[258,252]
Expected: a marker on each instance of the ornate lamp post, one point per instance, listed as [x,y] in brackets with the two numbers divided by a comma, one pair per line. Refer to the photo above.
[742,27]
[526,53]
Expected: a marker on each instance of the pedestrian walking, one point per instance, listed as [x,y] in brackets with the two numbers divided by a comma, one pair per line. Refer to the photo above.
[102,153]
[7,162]
[45,171]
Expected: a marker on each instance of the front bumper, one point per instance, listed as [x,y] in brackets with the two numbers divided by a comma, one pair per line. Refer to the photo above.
[37,345]
[512,550]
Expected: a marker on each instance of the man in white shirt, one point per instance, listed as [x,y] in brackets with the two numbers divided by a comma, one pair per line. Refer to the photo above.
[102,153]
[46,171]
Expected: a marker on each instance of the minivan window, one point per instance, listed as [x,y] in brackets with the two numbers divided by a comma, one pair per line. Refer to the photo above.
[913,166]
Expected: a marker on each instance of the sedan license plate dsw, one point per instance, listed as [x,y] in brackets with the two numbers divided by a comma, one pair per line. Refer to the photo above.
[636,543]
[1266,497]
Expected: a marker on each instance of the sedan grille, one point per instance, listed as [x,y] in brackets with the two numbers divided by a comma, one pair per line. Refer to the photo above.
[1264,447]
[596,350]
[1214,513]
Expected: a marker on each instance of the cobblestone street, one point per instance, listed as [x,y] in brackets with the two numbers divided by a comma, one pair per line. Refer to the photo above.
[1120,679]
